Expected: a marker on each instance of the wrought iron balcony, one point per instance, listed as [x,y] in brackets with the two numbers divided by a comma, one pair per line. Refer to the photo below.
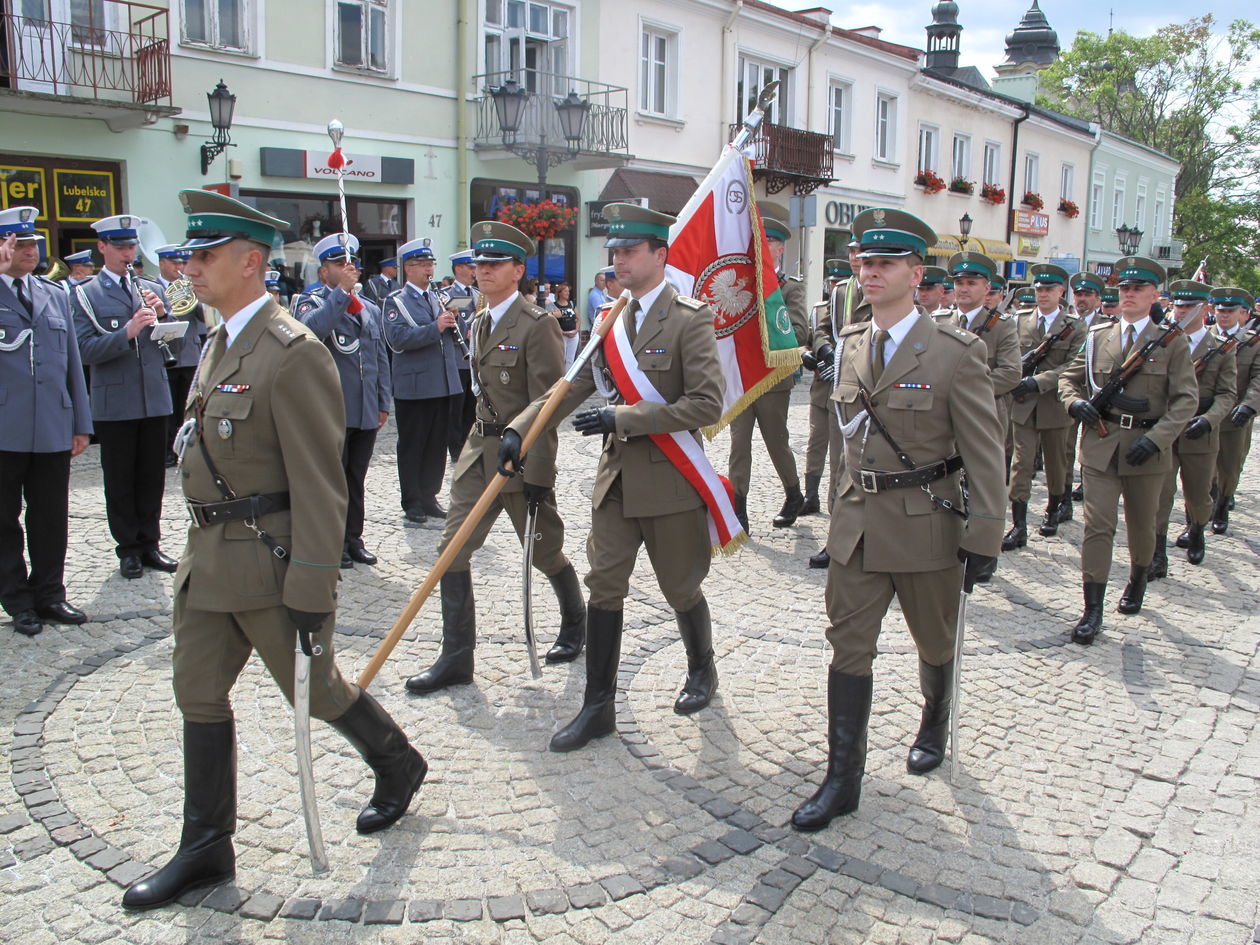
[112,53]
[789,157]
[604,138]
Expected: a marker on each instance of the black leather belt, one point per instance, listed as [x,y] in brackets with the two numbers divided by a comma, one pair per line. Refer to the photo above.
[1129,422]
[250,507]
[486,428]
[872,480]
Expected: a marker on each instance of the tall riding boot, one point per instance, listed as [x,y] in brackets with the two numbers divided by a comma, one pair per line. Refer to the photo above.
[1220,515]
[1090,624]
[572,616]
[822,560]
[1017,537]
[398,767]
[1183,540]
[1134,591]
[598,716]
[791,508]
[697,635]
[454,664]
[937,685]
[1159,561]
[741,511]
[848,712]
[1050,524]
[811,506]
[1196,549]
[1065,507]
[205,856]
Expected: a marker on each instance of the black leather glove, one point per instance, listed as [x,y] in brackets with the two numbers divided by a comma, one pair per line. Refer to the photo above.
[1085,412]
[595,420]
[1197,428]
[1025,387]
[536,494]
[977,568]
[1240,415]
[1143,448]
[308,624]
[808,361]
[510,453]
[826,355]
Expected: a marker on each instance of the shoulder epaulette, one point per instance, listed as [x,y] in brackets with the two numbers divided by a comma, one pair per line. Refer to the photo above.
[533,311]
[1102,326]
[390,295]
[853,329]
[795,278]
[694,304]
[287,329]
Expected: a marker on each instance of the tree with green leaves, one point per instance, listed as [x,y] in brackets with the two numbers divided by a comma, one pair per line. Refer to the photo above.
[1191,92]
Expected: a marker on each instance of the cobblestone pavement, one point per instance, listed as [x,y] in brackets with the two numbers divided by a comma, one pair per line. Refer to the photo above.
[1106,794]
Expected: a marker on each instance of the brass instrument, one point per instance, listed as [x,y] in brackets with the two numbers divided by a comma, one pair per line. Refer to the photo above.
[56,269]
[445,298]
[180,297]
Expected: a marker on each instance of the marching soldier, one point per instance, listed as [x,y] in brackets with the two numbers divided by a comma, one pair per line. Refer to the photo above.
[930,294]
[821,416]
[426,364]
[770,410]
[171,259]
[463,408]
[131,398]
[1194,451]
[916,406]
[352,330]
[641,497]
[1049,337]
[46,422]
[1233,315]
[383,283]
[517,354]
[264,482]
[1087,289]
[1126,452]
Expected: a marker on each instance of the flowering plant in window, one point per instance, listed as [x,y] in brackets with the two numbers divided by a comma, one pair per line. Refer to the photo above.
[960,185]
[930,181]
[992,193]
[1033,200]
[543,220]
[1069,209]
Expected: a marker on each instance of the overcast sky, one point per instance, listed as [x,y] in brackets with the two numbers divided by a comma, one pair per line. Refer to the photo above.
[986,22]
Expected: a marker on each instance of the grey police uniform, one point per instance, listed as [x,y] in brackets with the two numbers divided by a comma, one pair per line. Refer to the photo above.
[464,406]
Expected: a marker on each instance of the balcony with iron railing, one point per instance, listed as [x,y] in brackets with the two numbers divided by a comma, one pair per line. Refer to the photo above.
[108,59]
[786,157]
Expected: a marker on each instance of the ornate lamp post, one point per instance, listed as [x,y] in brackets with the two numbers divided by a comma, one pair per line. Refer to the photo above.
[222,103]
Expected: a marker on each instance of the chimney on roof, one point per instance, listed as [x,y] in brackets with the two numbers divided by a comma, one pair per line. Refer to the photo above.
[944,37]
[820,15]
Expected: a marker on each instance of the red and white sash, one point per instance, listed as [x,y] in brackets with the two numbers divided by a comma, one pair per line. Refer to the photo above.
[680,448]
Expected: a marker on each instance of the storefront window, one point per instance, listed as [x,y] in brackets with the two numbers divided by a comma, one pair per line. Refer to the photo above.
[559,258]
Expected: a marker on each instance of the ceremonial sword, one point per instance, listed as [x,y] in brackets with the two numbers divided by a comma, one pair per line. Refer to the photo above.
[527,571]
[959,628]
[302,725]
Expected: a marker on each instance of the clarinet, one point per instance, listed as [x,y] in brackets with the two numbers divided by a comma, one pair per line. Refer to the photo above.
[168,358]
[445,297]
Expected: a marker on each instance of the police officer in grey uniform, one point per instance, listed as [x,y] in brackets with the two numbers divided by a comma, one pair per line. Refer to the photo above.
[81,268]
[383,283]
[131,399]
[45,421]
[463,409]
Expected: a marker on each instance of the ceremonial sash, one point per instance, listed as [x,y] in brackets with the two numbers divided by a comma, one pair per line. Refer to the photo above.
[681,448]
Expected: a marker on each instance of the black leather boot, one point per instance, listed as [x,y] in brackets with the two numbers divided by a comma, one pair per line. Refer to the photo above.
[1078,494]
[811,506]
[1090,624]
[1159,561]
[848,712]
[937,685]
[1065,508]
[1196,548]
[598,716]
[572,616]
[741,511]
[1183,540]
[822,560]
[398,767]
[1220,514]
[1050,523]
[1017,537]
[1134,591]
[205,856]
[696,630]
[791,508]
[454,664]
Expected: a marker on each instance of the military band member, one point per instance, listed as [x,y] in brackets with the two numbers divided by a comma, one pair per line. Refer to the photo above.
[1233,316]
[420,332]
[1050,335]
[45,422]
[1194,452]
[1087,289]
[821,417]
[261,471]
[1135,454]
[517,354]
[272,284]
[463,408]
[81,268]
[640,497]
[383,283]
[171,259]
[131,398]
[770,411]
[930,295]
[928,385]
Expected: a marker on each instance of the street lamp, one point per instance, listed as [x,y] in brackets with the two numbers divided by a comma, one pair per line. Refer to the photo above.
[509,107]
[573,112]
[964,227]
[510,103]
[1130,238]
[222,102]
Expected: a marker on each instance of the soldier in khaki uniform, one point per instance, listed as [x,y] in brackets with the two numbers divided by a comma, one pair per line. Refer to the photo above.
[1037,417]
[823,442]
[929,386]
[1132,452]
[1194,452]
[1233,315]
[930,294]
[640,497]
[770,410]
[996,295]
[261,471]
[517,354]
[1087,290]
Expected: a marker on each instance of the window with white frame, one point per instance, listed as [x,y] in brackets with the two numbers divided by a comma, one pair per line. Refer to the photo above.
[960,166]
[1067,181]
[1117,205]
[838,118]
[529,37]
[993,163]
[363,35]
[929,147]
[1096,191]
[886,127]
[216,23]
[1139,206]
[1032,173]
[1157,225]
[754,75]
[658,64]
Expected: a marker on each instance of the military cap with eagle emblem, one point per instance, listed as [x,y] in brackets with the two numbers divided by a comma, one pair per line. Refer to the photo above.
[1087,282]
[838,269]
[968,263]
[215,219]
[120,229]
[884,231]
[19,222]
[1231,297]
[1048,274]
[628,224]
[416,249]
[1188,292]
[774,221]
[1139,270]
[933,275]
[493,241]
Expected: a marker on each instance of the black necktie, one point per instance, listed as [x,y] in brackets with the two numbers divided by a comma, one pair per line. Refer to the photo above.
[21,297]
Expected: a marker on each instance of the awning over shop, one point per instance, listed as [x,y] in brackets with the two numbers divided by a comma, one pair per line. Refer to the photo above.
[995,249]
[666,193]
[947,244]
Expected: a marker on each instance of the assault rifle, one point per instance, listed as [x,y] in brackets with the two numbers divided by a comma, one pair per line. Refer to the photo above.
[1032,360]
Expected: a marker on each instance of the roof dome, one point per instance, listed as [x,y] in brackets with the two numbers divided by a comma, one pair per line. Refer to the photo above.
[945,11]
[1033,40]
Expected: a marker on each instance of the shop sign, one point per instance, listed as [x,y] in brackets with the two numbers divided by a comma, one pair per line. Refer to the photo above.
[839,213]
[1031,223]
[83,196]
[1028,247]
[360,167]
[22,187]
[1103,269]
[596,225]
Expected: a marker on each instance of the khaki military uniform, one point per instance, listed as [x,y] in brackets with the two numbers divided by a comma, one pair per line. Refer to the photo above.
[1042,420]
[1235,442]
[1002,344]
[516,363]
[1196,459]
[1167,381]
[770,410]
[272,409]
[640,498]
[846,307]
[1088,322]
[935,398]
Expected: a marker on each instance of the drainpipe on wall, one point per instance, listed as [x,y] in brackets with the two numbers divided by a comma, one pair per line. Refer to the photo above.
[463,196]
[1010,215]
[724,85]
[1089,192]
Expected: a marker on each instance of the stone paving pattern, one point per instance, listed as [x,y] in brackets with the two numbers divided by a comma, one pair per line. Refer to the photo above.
[1106,794]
